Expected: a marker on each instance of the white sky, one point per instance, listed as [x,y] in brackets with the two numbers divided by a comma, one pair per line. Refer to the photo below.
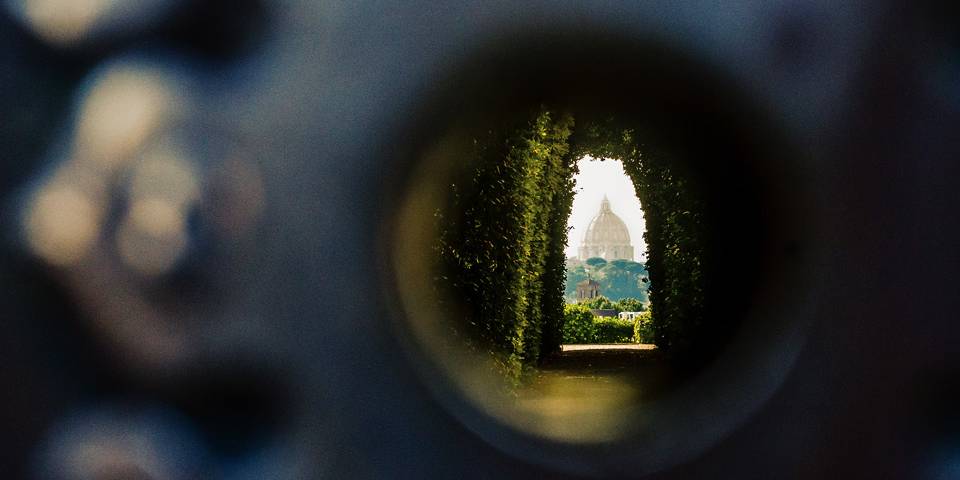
[595,179]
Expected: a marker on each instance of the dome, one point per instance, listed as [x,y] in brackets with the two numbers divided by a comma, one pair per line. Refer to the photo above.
[606,237]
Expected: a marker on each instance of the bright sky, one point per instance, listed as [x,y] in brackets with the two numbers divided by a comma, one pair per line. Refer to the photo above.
[595,179]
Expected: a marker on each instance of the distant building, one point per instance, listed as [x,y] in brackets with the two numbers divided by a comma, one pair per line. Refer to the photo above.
[629,315]
[587,289]
[606,237]
[603,312]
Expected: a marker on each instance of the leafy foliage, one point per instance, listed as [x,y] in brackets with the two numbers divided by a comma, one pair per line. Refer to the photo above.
[574,276]
[630,305]
[612,330]
[502,240]
[643,328]
[581,326]
[578,325]
[595,262]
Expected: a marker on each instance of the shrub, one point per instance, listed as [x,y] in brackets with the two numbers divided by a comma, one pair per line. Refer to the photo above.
[612,330]
[578,324]
[643,331]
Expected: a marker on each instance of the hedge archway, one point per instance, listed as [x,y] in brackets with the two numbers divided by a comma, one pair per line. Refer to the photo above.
[503,234]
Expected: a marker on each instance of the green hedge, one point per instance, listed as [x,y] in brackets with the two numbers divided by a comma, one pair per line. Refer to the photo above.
[643,331]
[613,330]
[580,326]
[502,240]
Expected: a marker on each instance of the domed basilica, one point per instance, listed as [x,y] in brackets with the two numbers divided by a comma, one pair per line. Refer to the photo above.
[607,237]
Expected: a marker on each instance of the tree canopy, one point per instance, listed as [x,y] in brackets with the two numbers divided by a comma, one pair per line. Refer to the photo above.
[595,261]
[618,279]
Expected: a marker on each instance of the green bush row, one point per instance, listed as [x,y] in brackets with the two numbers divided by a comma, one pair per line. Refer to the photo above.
[613,330]
[581,326]
[578,325]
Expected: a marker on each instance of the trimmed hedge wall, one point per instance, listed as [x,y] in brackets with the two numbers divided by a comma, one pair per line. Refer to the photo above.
[502,240]
[580,326]
[613,330]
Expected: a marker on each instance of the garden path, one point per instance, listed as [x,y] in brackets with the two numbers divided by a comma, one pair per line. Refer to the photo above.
[592,386]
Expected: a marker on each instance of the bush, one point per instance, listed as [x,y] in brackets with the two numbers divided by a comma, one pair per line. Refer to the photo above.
[612,330]
[578,324]
[643,331]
